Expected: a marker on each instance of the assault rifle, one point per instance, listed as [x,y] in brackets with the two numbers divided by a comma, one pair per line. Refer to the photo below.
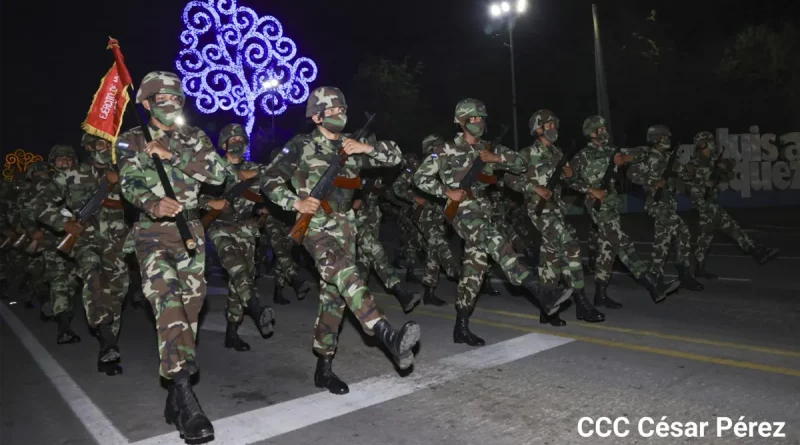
[605,183]
[88,210]
[665,176]
[715,174]
[326,183]
[475,173]
[238,190]
[555,177]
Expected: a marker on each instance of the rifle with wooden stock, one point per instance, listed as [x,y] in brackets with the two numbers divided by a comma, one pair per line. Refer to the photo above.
[555,177]
[92,206]
[237,191]
[475,173]
[326,183]
[605,183]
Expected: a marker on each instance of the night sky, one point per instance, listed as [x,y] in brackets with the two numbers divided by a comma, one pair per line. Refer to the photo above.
[53,57]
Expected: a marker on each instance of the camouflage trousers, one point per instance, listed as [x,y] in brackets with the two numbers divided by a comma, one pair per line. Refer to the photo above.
[18,267]
[669,228]
[607,237]
[235,245]
[508,231]
[713,217]
[285,269]
[411,238]
[331,241]
[174,283]
[371,254]
[431,226]
[102,267]
[473,223]
[560,252]
[60,274]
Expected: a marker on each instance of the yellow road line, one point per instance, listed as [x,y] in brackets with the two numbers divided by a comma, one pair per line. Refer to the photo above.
[621,345]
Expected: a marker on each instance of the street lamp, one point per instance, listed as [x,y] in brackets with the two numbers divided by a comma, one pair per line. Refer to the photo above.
[501,10]
[271,84]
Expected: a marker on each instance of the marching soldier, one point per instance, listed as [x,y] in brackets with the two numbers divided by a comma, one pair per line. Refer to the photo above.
[440,175]
[331,235]
[173,277]
[669,226]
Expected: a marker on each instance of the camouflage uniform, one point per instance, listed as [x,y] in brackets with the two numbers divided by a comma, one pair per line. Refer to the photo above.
[173,278]
[705,195]
[560,252]
[669,226]
[590,166]
[441,172]
[234,234]
[331,238]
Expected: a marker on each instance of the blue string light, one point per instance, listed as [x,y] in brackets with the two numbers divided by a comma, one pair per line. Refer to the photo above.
[232,59]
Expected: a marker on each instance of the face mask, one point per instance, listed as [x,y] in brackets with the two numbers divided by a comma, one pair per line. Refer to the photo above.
[237,148]
[335,123]
[603,138]
[476,129]
[166,111]
[551,135]
[101,157]
[665,144]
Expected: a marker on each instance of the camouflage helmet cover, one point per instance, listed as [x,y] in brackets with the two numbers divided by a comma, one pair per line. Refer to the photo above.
[656,132]
[541,117]
[592,124]
[323,98]
[36,167]
[466,108]
[61,150]
[431,141]
[230,131]
[703,136]
[88,139]
[159,82]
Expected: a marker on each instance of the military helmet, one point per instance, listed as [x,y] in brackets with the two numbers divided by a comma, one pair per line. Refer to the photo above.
[540,118]
[323,98]
[466,108]
[159,82]
[430,142]
[61,150]
[592,124]
[38,166]
[230,131]
[703,136]
[656,132]
[88,139]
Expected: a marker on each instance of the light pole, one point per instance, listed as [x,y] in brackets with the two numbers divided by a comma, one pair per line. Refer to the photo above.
[500,10]
[271,84]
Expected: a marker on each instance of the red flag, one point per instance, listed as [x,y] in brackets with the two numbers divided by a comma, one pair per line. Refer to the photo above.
[108,107]
[124,75]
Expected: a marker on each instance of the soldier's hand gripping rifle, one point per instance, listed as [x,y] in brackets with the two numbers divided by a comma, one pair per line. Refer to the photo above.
[608,176]
[555,177]
[666,175]
[475,173]
[92,206]
[325,184]
[236,191]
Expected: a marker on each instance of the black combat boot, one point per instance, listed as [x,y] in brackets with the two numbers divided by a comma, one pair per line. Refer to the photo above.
[171,407]
[552,320]
[398,342]
[549,297]
[301,287]
[763,255]
[325,378]
[701,272]
[65,334]
[658,289]
[192,423]
[232,339]
[263,316]
[109,357]
[407,298]
[601,298]
[688,280]
[584,309]
[277,296]
[461,332]
[487,288]
[410,277]
[430,298]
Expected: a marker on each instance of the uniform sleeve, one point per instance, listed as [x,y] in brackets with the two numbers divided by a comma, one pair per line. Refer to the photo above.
[277,176]
[202,162]
[638,154]
[509,160]
[47,206]
[403,187]
[426,177]
[578,181]
[384,154]
[133,177]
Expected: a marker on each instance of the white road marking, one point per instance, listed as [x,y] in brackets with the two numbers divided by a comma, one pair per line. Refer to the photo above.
[271,421]
[96,423]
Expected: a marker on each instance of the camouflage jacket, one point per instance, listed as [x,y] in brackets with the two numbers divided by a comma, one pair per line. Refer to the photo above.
[697,174]
[649,171]
[195,161]
[540,161]
[31,200]
[70,190]
[449,163]
[590,166]
[304,160]
[9,206]
[242,209]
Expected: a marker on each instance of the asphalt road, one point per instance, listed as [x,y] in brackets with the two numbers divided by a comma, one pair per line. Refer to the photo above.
[732,350]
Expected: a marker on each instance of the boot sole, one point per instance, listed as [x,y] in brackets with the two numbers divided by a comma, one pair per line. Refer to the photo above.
[204,436]
[564,297]
[416,297]
[411,334]
[266,321]
[768,258]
